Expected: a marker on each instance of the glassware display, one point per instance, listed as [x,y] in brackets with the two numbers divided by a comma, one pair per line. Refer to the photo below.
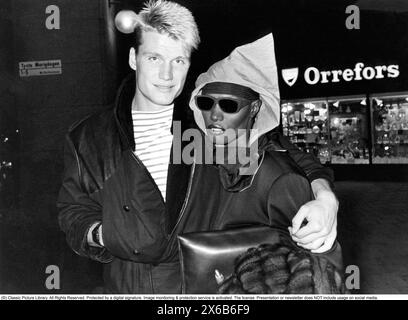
[306,125]
[349,142]
[351,129]
[389,128]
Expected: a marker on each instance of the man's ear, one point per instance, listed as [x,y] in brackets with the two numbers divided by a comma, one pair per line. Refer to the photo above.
[132,58]
[255,106]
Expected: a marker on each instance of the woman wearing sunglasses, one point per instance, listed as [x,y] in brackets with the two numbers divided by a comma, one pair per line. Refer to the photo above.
[240,95]
[236,105]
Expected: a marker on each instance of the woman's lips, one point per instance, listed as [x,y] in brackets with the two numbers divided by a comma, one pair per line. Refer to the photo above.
[216,130]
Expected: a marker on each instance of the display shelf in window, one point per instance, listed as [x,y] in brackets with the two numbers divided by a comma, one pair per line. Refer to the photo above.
[306,125]
[349,142]
[389,128]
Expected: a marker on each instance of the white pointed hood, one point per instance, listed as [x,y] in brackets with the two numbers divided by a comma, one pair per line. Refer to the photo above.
[252,65]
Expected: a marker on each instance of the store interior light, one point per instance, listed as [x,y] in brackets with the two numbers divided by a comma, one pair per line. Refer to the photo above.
[310,106]
[363,102]
[307,111]
[406,98]
[336,104]
[378,102]
[284,109]
[290,108]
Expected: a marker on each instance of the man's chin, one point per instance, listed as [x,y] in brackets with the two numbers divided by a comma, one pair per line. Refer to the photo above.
[169,95]
[165,103]
[164,100]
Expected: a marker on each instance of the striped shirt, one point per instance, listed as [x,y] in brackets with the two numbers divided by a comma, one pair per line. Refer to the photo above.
[153,143]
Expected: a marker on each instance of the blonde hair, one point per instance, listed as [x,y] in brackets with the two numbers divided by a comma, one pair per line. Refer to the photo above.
[168,17]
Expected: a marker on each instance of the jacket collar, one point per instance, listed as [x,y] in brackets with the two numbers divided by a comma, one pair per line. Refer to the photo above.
[123,112]
[230,176]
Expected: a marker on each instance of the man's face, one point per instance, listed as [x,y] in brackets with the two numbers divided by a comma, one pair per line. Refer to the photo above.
[161,66]
[218,121]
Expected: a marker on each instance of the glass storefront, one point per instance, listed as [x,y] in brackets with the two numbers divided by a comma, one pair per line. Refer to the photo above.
[350,129]
[389,128]
[306,125]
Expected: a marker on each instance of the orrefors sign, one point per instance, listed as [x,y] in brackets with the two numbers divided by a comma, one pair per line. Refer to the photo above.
[313,76]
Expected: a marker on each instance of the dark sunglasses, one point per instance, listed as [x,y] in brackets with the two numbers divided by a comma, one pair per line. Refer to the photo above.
[227,105]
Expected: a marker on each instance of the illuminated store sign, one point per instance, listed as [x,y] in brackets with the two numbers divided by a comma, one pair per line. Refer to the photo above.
[313,75]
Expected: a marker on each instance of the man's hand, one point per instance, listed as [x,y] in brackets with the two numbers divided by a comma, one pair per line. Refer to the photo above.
[320,232]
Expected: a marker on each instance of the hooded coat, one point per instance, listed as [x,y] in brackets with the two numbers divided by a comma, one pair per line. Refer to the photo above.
[222,198]
[277,189]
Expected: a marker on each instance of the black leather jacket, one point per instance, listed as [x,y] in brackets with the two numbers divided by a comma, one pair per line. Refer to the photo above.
[105,181]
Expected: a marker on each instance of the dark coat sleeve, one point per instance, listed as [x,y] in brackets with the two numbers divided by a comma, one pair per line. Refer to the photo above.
[286,195]
[77,211]
[307,162]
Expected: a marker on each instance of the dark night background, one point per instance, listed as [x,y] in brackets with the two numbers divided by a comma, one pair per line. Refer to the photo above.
[35,113]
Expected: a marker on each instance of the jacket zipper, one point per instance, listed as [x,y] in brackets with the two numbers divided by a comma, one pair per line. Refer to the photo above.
[183,208]
[253,176]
